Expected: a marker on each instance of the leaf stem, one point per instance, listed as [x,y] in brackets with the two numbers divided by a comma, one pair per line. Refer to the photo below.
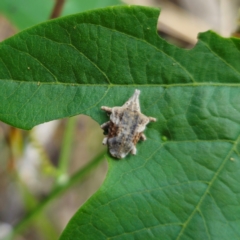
[55,192]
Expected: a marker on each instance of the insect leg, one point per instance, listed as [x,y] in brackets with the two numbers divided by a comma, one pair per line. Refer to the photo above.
[152,119]
[105,125]
[104,141]
[134,150]
[107,109]
[143,137]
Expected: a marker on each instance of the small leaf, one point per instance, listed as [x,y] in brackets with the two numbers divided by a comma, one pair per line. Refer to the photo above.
[26,13]
[184,181]
[75,6]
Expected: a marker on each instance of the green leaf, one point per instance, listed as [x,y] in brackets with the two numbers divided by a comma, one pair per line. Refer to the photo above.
[26,13]
[184,181]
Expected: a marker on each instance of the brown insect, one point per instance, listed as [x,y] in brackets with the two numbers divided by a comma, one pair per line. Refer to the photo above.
[125,127]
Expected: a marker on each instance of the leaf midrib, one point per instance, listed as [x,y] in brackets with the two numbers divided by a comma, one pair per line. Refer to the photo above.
[195,84]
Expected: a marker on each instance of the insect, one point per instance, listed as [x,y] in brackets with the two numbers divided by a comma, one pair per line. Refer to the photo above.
[125,127]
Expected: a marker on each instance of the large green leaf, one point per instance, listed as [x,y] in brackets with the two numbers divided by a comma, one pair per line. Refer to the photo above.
[184,181]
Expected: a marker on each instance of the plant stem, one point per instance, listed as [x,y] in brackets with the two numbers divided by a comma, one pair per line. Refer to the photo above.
[57,9]
[55,192]
[66,147]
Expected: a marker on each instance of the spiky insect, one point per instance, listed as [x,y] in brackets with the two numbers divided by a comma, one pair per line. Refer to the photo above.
[125,127]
